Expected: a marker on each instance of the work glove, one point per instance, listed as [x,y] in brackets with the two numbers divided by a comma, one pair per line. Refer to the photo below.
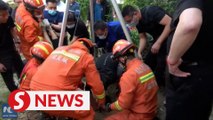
[101,103]
[107,107]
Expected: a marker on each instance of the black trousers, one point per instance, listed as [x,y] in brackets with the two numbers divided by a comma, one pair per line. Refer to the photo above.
[157,62]
[190,98]
[12,61]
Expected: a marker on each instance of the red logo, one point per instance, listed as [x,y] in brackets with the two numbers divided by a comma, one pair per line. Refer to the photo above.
[19,100]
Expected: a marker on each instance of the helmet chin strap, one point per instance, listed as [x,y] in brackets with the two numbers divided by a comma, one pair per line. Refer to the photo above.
[123,62]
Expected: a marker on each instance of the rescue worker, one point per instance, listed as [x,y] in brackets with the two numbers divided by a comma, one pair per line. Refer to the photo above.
[69,64]
[40,51]
[27,18]
[138,96]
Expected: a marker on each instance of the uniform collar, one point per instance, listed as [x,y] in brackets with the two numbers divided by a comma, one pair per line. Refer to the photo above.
[131,62]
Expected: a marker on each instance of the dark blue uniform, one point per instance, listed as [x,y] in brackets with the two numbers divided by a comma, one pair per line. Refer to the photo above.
[115,33]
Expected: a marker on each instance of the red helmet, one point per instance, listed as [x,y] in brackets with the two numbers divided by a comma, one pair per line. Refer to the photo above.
[88,43]
[34,4]
[41,49]
[121,47]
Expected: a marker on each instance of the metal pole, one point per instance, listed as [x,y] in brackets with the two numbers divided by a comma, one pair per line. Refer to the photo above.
[120,17]
[64,23]
[92,21]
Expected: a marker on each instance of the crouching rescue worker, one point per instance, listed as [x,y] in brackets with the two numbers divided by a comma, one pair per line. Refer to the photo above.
[64,69]
[40,51]
[138,96]
[28,19]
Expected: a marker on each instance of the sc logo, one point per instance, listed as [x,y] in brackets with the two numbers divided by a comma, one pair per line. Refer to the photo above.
[19,100]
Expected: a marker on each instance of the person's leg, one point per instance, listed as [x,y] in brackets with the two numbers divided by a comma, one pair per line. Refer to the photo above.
[160,70]
[8,75]
[187,98]
[8,80]
[151,60]
[17,63]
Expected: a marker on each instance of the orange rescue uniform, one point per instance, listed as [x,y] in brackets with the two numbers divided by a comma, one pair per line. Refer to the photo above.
[138,97]
[29,70]
[28,30]
[63,70]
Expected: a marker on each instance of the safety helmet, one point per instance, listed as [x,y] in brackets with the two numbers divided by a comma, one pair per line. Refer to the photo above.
[122,47]
[34,4]
[41,50]
[88,43]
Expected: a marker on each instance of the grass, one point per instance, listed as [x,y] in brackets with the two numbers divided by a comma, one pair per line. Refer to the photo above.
[4,93]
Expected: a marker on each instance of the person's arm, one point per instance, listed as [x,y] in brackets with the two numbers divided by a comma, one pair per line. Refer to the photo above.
[15,38]
[57,26]
[125,98]
[166,21]
[186,32]
[93,79]
[31,33]
[73,39]
[142,44]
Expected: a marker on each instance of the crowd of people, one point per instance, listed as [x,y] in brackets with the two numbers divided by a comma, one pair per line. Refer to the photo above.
[177,61]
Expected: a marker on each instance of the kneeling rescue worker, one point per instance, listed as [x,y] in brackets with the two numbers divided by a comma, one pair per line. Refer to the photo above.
[138,96]
[40,51]
[64,69]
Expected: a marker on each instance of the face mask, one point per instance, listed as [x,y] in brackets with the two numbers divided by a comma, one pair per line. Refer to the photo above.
[134,22]
[38,16]
[102,37]
[70,26]
[52,12]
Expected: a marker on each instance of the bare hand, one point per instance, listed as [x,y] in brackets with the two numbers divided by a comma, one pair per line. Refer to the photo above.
[155,48]
[140,56]
[2,68]
[174,69]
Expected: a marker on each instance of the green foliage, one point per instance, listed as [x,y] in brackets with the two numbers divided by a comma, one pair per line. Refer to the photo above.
[168,5]
[84,7]
[134,36]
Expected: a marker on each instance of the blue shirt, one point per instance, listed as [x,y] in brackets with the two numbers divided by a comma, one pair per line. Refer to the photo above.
[115,33]
[53,19]
[98,12]
[74,6]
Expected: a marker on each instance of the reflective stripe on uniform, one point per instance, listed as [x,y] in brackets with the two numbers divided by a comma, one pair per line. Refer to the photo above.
[101,96]
[38,2]
[117,106]
[146,77]
[43,48]
[24,77]
[18,27]
[69,55]
[40,38]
